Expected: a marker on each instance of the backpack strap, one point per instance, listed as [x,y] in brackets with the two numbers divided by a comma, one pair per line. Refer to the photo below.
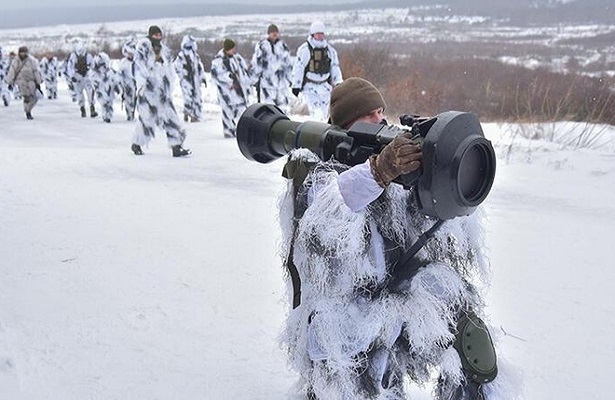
[297,170]
[307,66]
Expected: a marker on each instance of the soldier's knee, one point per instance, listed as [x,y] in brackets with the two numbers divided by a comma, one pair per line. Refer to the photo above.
[475,348]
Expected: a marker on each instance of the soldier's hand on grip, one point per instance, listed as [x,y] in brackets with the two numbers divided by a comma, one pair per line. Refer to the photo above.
[400,156]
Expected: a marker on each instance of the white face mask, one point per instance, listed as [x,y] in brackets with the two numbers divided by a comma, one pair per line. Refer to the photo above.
[317,43]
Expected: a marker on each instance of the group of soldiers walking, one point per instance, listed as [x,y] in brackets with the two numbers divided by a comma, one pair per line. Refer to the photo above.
[145,75]
[315,71]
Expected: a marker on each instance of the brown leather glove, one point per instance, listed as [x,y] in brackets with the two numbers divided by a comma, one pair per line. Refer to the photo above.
[400,156]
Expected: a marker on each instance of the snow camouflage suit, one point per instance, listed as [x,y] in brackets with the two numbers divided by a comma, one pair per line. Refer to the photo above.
[316,87]
[27,75]
[359,329]
[49,70]
[191,74]
[62,68]
[271,68]
[127,79]
[78,70]
[5,93]
[107,83]
[230,74]
[154,77]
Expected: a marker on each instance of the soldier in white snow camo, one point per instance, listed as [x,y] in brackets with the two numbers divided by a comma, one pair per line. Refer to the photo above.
[271,69]
[78,70]
[25,73]
[15,91]
[316,71]
[154,76]
[127,79]
[49,70]
[107,83]
[5,93]
[230,74]
[191,74]
[62,68]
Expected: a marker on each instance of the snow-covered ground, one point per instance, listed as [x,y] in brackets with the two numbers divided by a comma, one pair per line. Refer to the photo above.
[125,277]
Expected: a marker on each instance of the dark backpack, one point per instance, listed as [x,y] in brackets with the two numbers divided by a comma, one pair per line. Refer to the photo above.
[81,66]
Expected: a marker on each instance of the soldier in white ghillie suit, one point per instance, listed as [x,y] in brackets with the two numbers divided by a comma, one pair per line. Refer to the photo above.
[316,71]
[191,74]
[107,83]
[78,70]
[230,74]
[25,73]
[271,69]
[368,316]
[127,79]
[49,70]
[154,76]
[5,93]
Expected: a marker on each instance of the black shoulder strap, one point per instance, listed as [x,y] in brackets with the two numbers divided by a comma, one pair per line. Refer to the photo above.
[307,66]
[408,265]
[297,170]
[293,271]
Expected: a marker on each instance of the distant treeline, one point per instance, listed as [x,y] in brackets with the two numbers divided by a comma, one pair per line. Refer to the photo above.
[427,85]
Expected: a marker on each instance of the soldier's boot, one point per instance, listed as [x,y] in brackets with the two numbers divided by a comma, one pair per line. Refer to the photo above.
[179,151]
[93,112]
[83,115]
[136,149]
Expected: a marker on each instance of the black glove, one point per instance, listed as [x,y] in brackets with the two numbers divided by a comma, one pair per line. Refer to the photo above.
[11,88]
[74,79]
[296,91]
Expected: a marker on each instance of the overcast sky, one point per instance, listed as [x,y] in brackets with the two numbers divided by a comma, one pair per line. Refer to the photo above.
[30,13]
[12,4]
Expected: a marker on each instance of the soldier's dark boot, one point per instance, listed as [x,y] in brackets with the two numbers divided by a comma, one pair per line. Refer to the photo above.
[83,115]
[93,112]
[29,116]
[136,149]
[310,395]
[179,151]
